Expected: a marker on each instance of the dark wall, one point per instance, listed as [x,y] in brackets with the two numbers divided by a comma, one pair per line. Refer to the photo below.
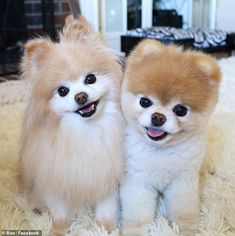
[12,22]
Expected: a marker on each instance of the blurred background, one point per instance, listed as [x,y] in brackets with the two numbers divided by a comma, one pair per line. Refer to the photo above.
[206,25]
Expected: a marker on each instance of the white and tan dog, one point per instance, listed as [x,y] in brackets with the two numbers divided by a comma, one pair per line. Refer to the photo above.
[71,138]
[168,96]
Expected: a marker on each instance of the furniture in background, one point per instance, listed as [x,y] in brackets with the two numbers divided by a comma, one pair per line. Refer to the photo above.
[209,41]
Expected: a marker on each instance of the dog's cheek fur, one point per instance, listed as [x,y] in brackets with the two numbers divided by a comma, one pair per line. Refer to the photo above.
[129,108]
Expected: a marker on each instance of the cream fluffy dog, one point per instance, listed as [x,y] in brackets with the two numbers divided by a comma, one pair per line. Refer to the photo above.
[71,138]
[168,96]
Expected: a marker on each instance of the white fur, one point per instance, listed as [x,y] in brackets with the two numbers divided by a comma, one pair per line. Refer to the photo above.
[172,171]
[107,210]
[102,89]
[217,197]
[169,166]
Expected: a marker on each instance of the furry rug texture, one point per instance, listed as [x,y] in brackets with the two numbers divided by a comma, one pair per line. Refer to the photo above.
[217,215]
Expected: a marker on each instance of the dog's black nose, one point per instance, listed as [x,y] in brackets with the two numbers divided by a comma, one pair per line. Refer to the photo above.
[158,119]
[81,98]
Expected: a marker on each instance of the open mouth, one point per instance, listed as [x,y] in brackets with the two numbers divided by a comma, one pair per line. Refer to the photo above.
[88,110]
[156,134]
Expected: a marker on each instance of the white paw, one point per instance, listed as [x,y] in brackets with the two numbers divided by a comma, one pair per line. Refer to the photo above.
[135,230]
[108,224]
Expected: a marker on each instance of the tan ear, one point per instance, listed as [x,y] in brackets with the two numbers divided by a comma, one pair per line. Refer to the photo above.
[144,50]
[36,47]
[34,53]
[75,29]
[149,46]
[208,66]
[69,19]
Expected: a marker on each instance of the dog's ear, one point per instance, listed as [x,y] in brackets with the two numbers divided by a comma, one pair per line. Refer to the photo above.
[148,47]
[144,50]
[77,29]
[34,53]
[208,67]
[69,19]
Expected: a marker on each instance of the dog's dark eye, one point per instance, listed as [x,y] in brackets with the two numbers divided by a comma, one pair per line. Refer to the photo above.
[180,110]
[90,79]
[63,91]
[145,102]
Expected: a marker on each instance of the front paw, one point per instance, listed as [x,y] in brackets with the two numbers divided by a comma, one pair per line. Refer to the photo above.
[60,227]
[188,224]
[138,229]
[188,229]
[109,224]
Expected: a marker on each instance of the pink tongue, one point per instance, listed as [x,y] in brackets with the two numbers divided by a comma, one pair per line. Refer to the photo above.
[87,109]
[154,132]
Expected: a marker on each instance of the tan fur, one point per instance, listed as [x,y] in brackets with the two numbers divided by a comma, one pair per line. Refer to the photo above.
[44,65]
[69,19]
[60,228]
[166,70]
[79,29]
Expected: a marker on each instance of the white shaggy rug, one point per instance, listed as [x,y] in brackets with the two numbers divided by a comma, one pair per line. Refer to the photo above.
[218,191]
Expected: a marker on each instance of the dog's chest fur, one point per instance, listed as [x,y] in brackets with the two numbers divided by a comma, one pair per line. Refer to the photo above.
[84,163]
[158,166]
